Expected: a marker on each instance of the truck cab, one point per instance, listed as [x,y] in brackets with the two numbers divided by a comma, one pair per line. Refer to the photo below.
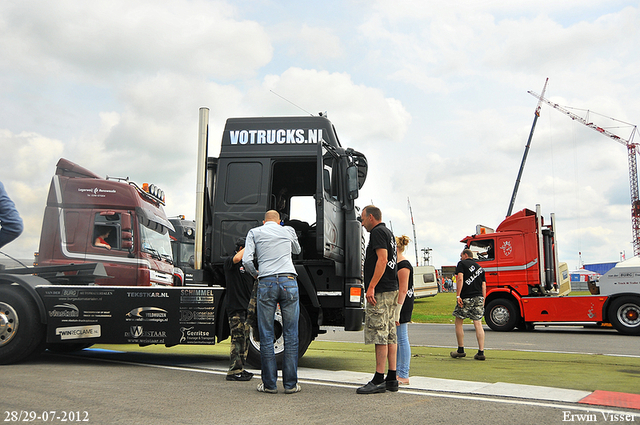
[296,166]
[182,245]
[89,219]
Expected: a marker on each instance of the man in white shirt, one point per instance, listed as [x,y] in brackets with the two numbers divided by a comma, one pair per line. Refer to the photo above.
[272,245]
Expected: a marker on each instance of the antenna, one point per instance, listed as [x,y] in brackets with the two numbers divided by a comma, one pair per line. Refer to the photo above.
[302,109]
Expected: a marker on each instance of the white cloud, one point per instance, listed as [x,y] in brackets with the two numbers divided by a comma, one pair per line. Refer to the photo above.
[118,38]
[433,93]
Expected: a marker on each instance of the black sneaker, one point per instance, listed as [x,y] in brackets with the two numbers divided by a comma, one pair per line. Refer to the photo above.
[242,376]
[372,388]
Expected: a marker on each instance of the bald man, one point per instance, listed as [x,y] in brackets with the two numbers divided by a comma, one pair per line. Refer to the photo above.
[272,245]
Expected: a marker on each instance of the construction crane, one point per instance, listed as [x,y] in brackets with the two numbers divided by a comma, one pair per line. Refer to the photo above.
[526,152]
[632,148]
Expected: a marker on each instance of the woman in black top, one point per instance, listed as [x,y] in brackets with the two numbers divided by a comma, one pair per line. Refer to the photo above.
[405,307]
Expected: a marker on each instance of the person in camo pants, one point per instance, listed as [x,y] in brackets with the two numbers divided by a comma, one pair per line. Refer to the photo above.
[241,308]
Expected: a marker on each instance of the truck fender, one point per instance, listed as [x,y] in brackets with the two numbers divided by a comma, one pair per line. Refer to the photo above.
[504,293]
[28,283]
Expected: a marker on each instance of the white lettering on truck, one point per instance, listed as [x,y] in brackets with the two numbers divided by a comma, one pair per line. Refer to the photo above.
[297,136]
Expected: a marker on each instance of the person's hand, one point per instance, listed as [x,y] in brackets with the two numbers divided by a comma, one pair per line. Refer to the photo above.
[371,296]
[459,301]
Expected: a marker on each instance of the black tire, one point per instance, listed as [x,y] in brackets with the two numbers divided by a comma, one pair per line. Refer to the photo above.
[525,326]
[624,314]
[304,339]
[501,315]
[21,333]
[58,347]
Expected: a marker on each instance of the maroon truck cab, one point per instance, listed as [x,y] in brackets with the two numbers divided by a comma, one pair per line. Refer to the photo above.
[89,219]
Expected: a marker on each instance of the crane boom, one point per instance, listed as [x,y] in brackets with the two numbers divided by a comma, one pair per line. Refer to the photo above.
[526,152]
[633,165]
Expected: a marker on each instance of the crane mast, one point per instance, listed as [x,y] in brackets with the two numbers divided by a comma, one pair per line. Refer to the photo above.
[526,152]
[633,166]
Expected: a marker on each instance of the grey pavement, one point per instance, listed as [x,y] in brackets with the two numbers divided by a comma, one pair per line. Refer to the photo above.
[417,383]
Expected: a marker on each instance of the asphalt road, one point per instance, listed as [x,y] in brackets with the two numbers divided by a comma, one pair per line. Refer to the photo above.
[564,339]
[134,388]
[112,390]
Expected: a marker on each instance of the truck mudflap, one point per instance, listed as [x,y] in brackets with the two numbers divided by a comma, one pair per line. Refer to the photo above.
[130,315]
[353,319]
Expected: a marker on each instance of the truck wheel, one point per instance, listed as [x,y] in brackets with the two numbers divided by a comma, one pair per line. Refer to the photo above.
[624,314]
[501,315]
[21,333]
[304,339]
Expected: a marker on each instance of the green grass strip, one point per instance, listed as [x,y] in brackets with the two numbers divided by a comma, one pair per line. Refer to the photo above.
[571,371]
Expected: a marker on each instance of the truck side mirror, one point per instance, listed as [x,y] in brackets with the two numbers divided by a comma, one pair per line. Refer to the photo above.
[127,240]
[352,182]
[125,221]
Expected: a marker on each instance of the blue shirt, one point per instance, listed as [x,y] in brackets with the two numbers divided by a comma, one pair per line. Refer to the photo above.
[10,221]
[272,245]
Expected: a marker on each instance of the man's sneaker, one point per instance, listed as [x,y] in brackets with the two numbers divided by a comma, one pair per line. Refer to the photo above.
[261,388]
[457,355]
[242,376]
[479,356]
[392,385]
[372,388]
[295,389]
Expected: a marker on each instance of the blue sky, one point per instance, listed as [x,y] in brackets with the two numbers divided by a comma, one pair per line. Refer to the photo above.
[433,92]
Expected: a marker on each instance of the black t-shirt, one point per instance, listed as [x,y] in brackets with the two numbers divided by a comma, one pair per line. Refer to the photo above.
[381,238]
[407,306]
[239,285]
[473,276]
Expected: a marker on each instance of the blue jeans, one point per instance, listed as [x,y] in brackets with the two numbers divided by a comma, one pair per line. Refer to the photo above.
[404,351]
[271,291]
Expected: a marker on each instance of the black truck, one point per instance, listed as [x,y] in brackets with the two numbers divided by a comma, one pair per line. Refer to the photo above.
[295,165]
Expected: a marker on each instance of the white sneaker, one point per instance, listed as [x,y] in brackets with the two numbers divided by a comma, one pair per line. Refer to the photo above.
[295,389]
[261,388]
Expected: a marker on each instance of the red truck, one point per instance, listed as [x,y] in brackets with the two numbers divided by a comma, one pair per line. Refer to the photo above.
[527,285]
[115,222]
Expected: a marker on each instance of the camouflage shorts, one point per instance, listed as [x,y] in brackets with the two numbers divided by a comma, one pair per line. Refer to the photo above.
[472,308]
[379,326]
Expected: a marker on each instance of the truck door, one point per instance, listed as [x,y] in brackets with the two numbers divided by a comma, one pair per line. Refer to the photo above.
[510,255]
[329,207]
[484,250]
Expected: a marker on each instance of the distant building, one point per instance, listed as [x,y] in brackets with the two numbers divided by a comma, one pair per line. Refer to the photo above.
[580,279]
[600,268]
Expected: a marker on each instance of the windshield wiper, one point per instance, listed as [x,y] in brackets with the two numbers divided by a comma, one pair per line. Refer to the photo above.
[154,253]
[167,258]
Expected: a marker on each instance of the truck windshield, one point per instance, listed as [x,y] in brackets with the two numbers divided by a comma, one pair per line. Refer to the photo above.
[155,243]
[186,251]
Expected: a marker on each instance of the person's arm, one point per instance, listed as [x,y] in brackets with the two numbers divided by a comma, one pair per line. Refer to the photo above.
[381,264]
[238,257]
[10,222]
[247,257]
[403,283]
[484,291]
[295,245]
[459,280]
[101,243]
